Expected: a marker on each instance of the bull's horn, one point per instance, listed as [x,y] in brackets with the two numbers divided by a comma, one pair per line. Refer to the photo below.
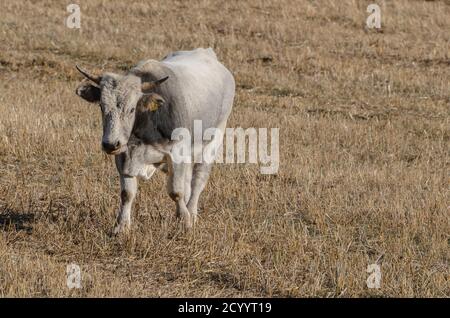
[147,86]
[95,79]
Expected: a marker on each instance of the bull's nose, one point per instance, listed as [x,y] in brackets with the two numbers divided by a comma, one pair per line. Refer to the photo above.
[110,147]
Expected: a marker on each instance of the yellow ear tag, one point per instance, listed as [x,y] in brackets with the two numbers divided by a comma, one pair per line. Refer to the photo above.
[153,106]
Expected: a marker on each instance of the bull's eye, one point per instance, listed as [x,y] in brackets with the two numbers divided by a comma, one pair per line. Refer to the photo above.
[132,110]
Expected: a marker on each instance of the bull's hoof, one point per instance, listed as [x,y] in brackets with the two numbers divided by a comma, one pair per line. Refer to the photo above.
[120,229]
[188,223]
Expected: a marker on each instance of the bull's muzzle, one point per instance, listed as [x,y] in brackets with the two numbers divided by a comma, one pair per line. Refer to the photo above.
[113,149]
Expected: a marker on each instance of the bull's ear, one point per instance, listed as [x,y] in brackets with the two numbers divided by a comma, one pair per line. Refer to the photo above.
[151,102]
[89,92]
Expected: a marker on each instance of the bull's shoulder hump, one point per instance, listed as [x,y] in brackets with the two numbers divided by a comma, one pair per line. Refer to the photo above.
[152,68]
[146,65]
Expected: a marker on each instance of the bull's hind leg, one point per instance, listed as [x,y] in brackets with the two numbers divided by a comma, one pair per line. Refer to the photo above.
[202,170]
[177,189]
[199,179]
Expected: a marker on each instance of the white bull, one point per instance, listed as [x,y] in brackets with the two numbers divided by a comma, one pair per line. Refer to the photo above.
[141,110]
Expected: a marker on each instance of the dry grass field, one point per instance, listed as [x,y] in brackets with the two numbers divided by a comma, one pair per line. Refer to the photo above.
[364,152]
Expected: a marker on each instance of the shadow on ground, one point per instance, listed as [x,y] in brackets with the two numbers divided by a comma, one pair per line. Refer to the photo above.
[18,221]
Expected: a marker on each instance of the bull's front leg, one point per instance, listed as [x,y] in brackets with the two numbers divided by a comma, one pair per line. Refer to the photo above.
[128,190]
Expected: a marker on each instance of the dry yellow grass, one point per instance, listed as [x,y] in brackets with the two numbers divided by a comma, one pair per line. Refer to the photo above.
[364,148]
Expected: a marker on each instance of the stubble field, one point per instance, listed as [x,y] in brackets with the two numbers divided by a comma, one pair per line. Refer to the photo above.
[364,152]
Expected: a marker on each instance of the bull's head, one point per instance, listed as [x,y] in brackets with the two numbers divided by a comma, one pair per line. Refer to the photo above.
[118,96]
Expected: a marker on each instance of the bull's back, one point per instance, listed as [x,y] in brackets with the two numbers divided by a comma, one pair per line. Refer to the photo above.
[204,84]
